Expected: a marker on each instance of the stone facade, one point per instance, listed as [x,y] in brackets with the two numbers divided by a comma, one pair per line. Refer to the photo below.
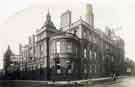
[76,51]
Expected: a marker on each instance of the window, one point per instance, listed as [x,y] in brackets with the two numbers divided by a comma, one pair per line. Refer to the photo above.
[76,52]
[58,47]
[41,50]
[103,68]
[112,59]
[85,35]
[107,46]
[38,66]
[58,71]
[69,47]
[90,36]
[62,46]
[103,58]
[94,39]
[95,55]
[31,52]
[58,66]
[90,53]
[95,68]
[85,68]
[85,53]
[70,68]
[90,68]
[45,48]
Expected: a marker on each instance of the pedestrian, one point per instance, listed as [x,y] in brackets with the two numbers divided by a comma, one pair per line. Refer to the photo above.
[114,76]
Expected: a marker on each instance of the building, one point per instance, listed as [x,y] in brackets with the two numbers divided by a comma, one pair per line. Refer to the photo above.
[75,51]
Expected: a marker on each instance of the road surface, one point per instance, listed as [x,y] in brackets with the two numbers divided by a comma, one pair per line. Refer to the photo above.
[123,82]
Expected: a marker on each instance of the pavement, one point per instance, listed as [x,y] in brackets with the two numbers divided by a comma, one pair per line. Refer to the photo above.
[84,82]
[76,83]
[127,81]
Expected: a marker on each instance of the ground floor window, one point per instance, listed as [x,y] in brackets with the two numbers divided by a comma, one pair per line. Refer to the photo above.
[58,71]
[58,68]
[95,67]
[85,68]
[90,69]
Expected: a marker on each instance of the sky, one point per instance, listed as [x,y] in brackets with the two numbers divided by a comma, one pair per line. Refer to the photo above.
[21,18]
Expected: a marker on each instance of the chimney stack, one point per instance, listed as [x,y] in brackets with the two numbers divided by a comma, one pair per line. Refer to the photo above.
[89,17]
[65,19]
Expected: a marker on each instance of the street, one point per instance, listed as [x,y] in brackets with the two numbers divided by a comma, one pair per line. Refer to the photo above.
[123,82]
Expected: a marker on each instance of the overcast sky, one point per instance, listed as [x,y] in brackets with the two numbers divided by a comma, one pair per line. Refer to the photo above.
[21,18]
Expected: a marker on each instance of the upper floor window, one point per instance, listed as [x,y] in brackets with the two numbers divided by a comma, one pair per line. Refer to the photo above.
[85,53]
[85,35]
[90,53]
[90,36]
[58,47]
[112,59]
[95,55]
[31,52]
[41,50]
[69,47]
[76,51]
[103,58]
[62,46]
[94,39]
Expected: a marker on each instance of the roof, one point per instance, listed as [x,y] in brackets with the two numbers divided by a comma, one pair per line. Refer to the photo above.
[8,52]
[64,35]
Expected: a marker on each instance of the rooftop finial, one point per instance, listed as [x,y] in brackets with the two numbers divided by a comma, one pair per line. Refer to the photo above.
[48,12]
[8,46]
[80,17]
[48,17]
[48,20]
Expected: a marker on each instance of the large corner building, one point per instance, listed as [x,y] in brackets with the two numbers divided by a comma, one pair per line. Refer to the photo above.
[75,51]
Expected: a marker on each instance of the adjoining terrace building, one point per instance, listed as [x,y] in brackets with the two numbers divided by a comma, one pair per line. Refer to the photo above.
[75,51]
